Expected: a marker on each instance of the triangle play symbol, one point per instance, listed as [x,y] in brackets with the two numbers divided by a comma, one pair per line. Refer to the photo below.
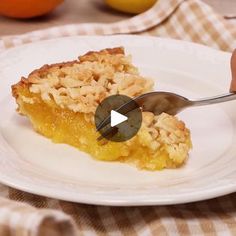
[117,118]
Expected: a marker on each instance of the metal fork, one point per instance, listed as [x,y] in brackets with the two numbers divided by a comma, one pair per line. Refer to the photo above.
[171,103]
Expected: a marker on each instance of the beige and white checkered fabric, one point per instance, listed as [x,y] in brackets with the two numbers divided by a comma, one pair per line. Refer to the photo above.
[21,219]
[190,20]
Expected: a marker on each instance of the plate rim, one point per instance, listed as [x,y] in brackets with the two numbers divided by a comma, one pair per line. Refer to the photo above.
[94,200]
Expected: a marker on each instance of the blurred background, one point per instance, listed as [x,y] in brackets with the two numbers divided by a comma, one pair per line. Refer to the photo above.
[60,12]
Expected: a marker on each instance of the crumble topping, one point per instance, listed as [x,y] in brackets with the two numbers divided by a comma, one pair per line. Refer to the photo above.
[81,86]
[27,100]
[168,130]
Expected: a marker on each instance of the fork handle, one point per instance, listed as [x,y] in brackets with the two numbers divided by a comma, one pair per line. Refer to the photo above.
[213,100]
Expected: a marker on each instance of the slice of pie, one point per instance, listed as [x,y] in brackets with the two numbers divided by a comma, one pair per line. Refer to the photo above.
[60,101]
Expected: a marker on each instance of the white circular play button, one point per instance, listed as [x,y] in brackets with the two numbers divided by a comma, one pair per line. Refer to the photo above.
[122,125]
[117,118]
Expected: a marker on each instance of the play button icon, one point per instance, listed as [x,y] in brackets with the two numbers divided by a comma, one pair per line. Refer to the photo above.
[122,124]
[117,118]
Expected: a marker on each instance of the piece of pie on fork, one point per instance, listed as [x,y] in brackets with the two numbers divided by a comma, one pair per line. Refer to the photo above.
[60,101]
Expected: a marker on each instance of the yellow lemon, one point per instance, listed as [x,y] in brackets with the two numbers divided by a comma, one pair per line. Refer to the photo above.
[131,6]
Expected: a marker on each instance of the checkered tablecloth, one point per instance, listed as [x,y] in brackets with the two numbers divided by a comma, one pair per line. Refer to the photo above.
[190,20]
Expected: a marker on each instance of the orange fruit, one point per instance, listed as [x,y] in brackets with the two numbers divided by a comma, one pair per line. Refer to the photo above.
[27,8]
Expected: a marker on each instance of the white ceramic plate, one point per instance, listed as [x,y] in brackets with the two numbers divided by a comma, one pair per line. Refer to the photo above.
[34,164]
